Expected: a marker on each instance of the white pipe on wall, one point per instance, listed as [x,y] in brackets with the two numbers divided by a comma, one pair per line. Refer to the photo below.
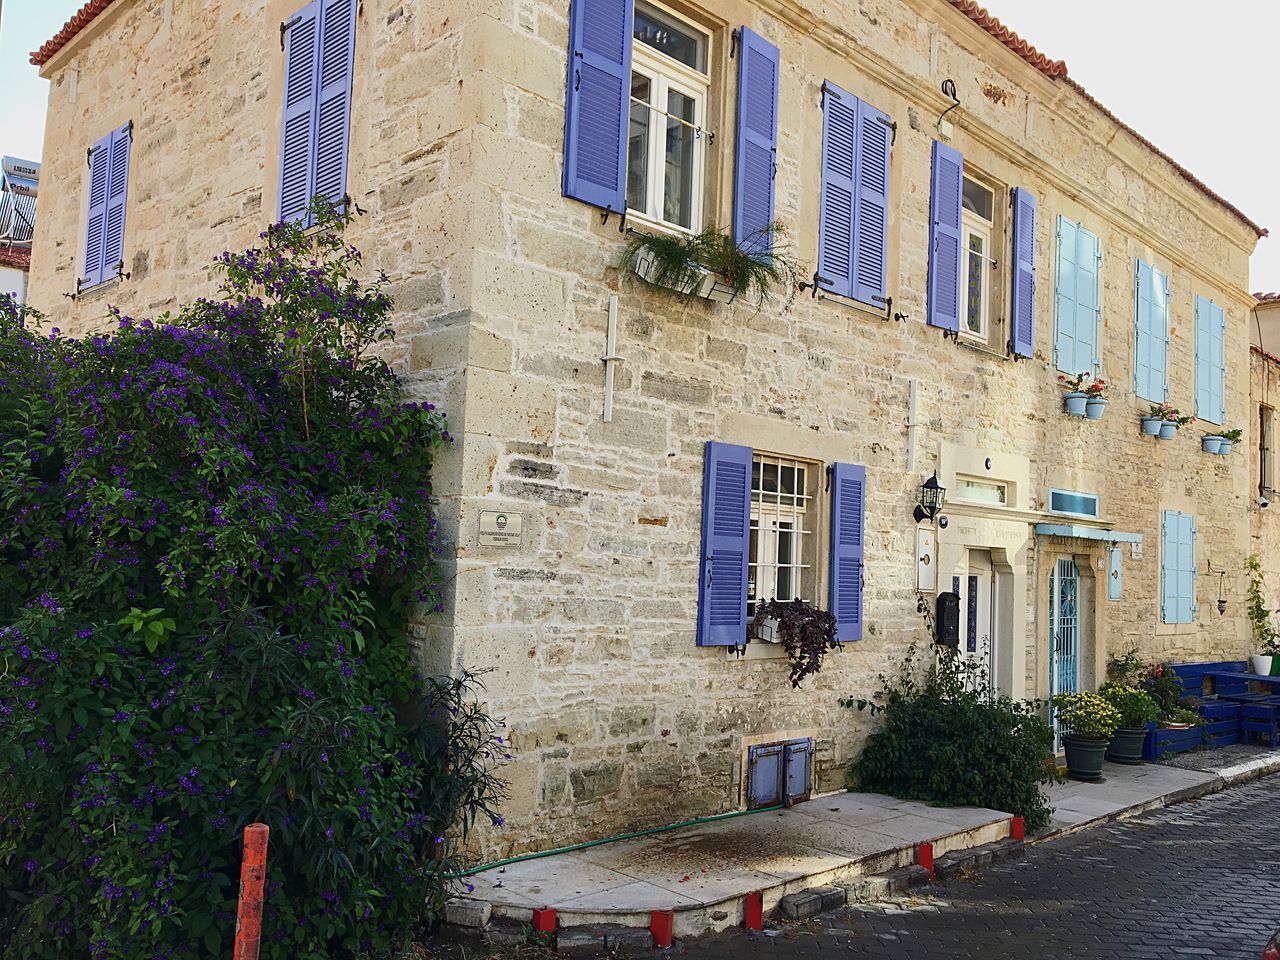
[610,357]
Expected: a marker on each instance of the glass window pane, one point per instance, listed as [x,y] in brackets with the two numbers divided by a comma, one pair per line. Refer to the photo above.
[677,205]
[638,145]
[973,294]
[667,37]
[978,199]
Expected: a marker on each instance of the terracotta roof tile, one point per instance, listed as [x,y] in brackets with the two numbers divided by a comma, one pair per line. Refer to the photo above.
[1267,297]
[1054,69]
[19,258]
[82,18]
[1263,353]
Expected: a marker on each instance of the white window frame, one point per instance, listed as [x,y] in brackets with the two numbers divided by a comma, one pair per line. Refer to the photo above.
[973,224]
[768,511]
[666,74]
[1097,504]
[1266,449]
[1001,485]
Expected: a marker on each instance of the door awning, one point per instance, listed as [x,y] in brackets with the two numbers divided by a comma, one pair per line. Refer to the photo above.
[1081,532]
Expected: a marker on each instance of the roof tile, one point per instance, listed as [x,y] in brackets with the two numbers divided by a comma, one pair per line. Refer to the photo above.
[19,258]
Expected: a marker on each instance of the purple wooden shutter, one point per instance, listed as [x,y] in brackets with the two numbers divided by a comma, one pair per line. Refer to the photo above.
[757,143]
[798,763]
[764,776]
[835,220]
[333,112]
[1024,273]
[871,183]
[298,126]
[597,106]
[117,197]
[99,166]
[726,541]
[944,238]
[848,498]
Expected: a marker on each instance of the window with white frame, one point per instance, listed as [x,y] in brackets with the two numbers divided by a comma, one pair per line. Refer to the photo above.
[667,144]
[977,228]
[782,560]
[973,490]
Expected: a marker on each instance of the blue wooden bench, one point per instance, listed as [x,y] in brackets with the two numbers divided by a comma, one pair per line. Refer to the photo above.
[1223,724]
[1262,718]
[1193,676]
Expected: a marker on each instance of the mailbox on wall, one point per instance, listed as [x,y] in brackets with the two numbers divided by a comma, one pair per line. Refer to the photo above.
[947,621]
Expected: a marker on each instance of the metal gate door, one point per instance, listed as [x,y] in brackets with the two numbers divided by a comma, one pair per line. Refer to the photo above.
[1064,633]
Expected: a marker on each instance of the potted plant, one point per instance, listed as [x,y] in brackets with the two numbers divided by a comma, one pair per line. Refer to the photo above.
[1084,396]
[1211,442]
[1164,420]
[1229,438]
[805,632]
[1181,718]
[1088,722]
[1137,709]
[711,264]
[1267,660]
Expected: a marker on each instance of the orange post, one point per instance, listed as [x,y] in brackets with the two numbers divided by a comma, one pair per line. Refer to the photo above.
[253,876]
[662,927]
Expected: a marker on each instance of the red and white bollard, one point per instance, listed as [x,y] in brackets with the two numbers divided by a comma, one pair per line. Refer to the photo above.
[253,876]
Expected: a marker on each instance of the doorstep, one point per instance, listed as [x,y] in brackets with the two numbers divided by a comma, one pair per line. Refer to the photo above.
[704,873]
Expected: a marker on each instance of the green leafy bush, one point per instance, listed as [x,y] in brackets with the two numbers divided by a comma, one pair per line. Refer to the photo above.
[1136,707]
[948,739]
[212,529]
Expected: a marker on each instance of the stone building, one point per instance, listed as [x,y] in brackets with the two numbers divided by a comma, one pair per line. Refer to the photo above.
[971,224]
[1264,392]
[19,186]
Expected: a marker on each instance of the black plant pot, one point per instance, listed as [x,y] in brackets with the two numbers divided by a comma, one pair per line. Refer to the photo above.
[1126,745]
[1084,757]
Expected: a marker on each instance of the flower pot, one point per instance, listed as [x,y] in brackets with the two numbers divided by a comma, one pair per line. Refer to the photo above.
[1151,426]
[1084,757]
[1094,407]
[646,268]
[1168,429]
[713,288]
[767,632]
[1210,444]
[1224,447]
[1262,664]
[1126,745]
[1077,403]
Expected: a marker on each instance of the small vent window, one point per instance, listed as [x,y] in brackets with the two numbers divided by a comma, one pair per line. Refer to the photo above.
[1075,504]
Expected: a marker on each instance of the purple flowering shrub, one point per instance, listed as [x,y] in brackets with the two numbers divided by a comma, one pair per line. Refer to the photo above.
[212,530]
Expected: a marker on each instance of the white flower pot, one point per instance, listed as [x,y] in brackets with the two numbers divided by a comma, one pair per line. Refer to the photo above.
[714,289]
[1262,664]
[767,632]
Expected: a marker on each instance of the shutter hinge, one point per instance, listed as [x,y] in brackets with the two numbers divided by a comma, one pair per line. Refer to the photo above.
[129,127]
[284,28]
[893,129]
[736,39]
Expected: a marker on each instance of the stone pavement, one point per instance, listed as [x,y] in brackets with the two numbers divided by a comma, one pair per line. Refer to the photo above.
[1199,879]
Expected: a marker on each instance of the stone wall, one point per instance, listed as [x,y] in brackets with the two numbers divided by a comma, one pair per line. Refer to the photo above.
[619,721]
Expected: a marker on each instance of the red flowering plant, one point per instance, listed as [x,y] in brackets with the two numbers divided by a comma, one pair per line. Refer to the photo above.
[214,528]
[1092,387]
[1170,414]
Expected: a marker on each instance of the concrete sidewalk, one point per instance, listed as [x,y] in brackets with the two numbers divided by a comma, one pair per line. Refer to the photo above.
[704,873]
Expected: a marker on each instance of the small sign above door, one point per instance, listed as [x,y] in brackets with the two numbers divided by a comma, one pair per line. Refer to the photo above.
[500,529]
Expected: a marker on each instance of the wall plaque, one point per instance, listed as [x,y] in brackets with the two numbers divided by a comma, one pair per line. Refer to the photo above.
[500,529]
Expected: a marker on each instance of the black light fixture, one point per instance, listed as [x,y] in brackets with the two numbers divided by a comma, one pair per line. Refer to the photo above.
[932,497]
[1222,586]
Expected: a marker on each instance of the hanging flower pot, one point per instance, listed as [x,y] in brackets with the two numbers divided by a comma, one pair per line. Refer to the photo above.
[1168,430]
[1229,437]
[1224,447]
[1211,443]
[1094,407]
[1151,426]
[1077,404]
[1084,395]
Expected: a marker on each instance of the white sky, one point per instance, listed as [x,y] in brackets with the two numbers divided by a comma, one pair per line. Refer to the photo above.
[1195,77]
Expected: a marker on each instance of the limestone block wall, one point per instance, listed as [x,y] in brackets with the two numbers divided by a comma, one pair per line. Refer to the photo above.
[618,720]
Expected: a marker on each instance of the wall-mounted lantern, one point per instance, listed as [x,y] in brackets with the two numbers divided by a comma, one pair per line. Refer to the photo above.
[1222,586]
[932,498]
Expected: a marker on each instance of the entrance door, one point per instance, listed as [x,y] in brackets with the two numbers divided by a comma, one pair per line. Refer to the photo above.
[1064,632]
[978,610]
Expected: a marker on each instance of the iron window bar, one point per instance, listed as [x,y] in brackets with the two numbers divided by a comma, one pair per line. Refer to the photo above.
[698,131]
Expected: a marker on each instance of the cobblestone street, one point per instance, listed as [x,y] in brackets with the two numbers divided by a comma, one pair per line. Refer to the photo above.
[1199,879]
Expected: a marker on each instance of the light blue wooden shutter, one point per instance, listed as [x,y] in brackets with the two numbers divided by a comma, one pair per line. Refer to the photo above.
[117,202]
[848,506]
[1210,361]
[871,185]
[757,142]
[835,220]
[726,541]
[798,763]
[597,103]
[1077,299]
[99,168]
[1023,339]
[333,112]
[1178,567]
[945,199]
[298,124]
[764,776]
[1151,336]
